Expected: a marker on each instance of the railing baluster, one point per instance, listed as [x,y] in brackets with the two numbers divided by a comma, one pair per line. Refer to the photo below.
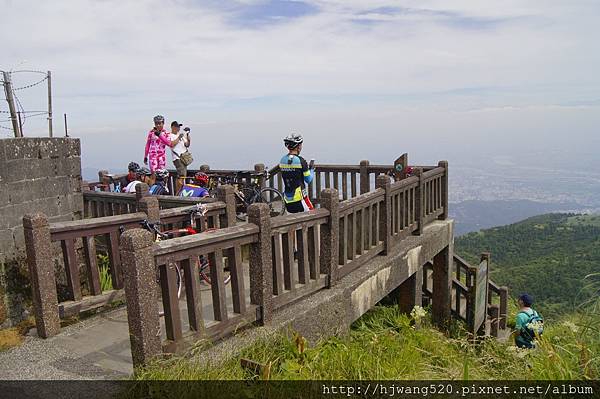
[318,185]
[369,231]
[238,290]
[327,180]
[303,257]
[288,260]
[360,231]
[336,183]
[89,250]
[344,186]
[115,259]
[277,265]
[168,284]
[313,253]
[353,178]
[217,285]
[192,293]
[343,241]
[72,268]
[351,236]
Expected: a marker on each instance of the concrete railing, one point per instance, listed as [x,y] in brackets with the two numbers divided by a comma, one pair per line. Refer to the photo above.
[291,257]
[474,296]
[78,242]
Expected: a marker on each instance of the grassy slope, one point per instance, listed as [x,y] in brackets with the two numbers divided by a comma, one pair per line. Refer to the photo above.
[546,255]
[383,344]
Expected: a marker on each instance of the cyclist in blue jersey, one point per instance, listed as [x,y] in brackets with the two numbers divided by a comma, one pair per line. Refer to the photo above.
[198,189]
[296,174]
[160,185]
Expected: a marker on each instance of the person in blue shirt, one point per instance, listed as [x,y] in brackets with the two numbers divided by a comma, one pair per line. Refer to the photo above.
[160,185]
[296,175]
[528,323]
[198,189]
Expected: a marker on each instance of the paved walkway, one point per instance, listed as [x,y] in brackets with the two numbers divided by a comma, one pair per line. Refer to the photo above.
[96,348]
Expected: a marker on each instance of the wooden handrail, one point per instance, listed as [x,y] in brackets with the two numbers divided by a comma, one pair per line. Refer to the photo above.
[88,227]
[361,199]
[298,218]
[404,183]
[213,238]
[433,173]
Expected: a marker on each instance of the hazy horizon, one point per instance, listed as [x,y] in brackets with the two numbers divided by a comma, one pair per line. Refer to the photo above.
[469,82]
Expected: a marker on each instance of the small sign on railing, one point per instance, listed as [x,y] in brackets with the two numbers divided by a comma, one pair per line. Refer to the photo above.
[479,292]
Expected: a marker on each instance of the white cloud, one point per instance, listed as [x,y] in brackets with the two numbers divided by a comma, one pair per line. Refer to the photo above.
[116,63]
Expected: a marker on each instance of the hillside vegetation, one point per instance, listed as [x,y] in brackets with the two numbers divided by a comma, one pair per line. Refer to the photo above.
[387,345]
[547,256]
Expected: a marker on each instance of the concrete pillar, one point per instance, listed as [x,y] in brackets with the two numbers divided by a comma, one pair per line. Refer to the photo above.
[494,313]
[365,183]
[226,194]
[141,288]
[410,292]
[419,201]
[503,306]
[442,285]
[41,273]
[330,235]
[259,168]
[261,262]
[385,213]
[149,205]
[141,191]
[444,164]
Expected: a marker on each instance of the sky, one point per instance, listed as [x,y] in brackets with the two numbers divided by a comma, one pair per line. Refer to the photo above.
[457,80]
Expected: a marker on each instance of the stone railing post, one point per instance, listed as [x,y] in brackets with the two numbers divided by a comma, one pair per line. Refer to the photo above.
[226,194]
[259,168]
[141,191]
[494,314]
[503,306]
[385,214]
[365,182]
[261,262]
[419,210]
[442,286]
[330,235]
[141,289]
[41,274]
[444,164]
[149,205]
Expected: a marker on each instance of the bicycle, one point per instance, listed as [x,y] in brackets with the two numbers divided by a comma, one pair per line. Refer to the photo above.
[203,263]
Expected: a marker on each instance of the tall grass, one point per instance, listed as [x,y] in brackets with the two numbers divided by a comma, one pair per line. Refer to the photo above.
[386,344]
[105,276]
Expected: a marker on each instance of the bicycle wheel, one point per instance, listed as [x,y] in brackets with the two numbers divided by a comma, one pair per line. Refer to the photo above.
[274,199]
[244,198]
[205,271]
[178,281]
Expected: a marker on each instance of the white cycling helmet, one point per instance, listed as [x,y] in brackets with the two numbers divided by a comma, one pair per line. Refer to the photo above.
[293,140]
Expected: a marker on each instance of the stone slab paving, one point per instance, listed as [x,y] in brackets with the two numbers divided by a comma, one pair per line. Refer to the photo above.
[96,348]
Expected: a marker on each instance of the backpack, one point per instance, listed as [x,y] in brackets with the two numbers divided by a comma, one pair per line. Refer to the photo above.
[527,333]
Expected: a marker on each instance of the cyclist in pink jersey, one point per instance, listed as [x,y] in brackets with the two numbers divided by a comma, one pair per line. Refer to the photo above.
[156,142]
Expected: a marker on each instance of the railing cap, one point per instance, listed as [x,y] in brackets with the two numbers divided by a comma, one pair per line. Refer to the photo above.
[35,220]
[136,239]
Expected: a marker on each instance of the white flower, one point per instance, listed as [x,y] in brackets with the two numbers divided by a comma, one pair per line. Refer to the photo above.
[571,326]
[536,326]
[418,313]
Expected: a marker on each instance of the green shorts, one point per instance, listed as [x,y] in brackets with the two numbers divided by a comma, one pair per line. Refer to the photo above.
[181,168]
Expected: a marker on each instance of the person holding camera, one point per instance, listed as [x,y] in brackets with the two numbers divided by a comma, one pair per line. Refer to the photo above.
[181,156]
[156,142]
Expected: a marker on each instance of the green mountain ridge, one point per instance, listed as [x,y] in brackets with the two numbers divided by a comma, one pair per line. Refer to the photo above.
[547,256]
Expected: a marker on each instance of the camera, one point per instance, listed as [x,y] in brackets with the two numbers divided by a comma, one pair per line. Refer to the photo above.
[186,129]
